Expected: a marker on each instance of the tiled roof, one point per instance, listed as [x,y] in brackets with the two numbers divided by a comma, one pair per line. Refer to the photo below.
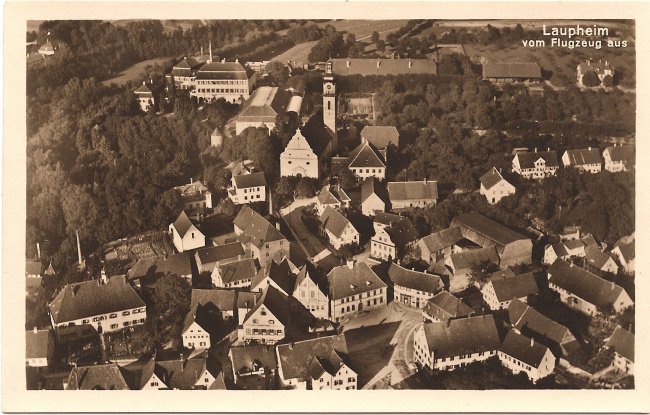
[380,136]
[487,227]
[512,70]
[317,135]
[37,344]
[584,284]
[219,253]
[138,373]
[584,156]
[143,89]
[462,336]
[280,273]
[245,181]
[622,153]
[595,257]
[372,186]
[415,280]
[256,229]
[418,190]
[365,156]
[308,270]
[402,232]
[471,257]
[237,270]
[182,373]
[529,321]
[527,159]
[445,304]
[264,104]
[622,341]
[295,358]
[286,309]
[334,221]
[182,224]
[245,359]
[178,264]
[349,66]
[102,376]
[91,298]
[627,250]
[523,349]
[443,239]
[345,281]
[247,299]
[386,218]
[491,178]
[515,287]
[192,190]
[223,299]
[573,244]
[325,196]
[33,268]
[222,70]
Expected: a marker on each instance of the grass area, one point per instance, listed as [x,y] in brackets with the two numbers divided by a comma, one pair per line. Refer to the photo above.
[133,72]
[297,54]
[364,28]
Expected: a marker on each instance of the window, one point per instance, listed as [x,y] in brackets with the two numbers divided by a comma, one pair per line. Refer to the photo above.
[255,321]
[113,326]
[271,321]
[113,315]
[154,383]
[263,312]
[192,235]
[126,323]
[85,321]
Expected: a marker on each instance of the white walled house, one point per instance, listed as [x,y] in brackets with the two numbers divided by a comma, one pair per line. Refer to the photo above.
[194,336]
[413,288]
[333,196]
[247,188]
[235,274]
[262,108]
[338,228]
[622,342]
[354,287]
[494,187]
[555,251]
[227,80]
[209,257]
[535,165]
[312,292]
[625,254]
[365,161]
[521,354]
[298,158]
[599,68]
[196,196]
[619,158]
[404,195]
[391,242]
[145,97]
[185,234]
[373,197]
[259,237]
[499,292]
[584,160]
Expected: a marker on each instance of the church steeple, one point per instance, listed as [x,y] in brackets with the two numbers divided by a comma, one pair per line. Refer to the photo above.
[329,98]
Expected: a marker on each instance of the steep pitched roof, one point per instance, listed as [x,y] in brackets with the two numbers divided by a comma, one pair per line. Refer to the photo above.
[37,344]
[334,221]
[386,218]
[295,358]
[523,349]
[527,159]
[237,270]
[491,178]
[364,155]
[584,156]
[402,232]
[138,373]
[380,136]
[512,70]
[462,336]
[443,239]
[255,228]
[244,181]
[487,227]
[309,270]
[372,186]
[181,373]
[415,280]
[364,67]
[219,253]
[246,359]
[178,264]
[143,90]
[223,299]
[573,244]
[595,257]
[623,153]
[627,250]
[317,135]
[417,190]
[182,224]
[91,298]
[469,258]
[345,281]
[222,70]
[264,104]
[102,376]
[326,197]
[584,284]
[515,287]
[286,309]
[278,272]
[622,341]
[528,320]
[247,299]
[449,304]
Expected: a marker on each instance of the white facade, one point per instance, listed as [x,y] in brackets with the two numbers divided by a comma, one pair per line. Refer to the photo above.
[37,362]
[362,301]
[298,158]
[539,171]
[109,322]
[411,297]
[497,192]
[490,297]
[195,337]
[329,99]
[154,383]
[314,300]
[545,368]
[235,91]
[372,205]
[381,246]
[344,379]
[592,168]
[192,239]
[365,172]
[262,326]
[240,196]
[348,236]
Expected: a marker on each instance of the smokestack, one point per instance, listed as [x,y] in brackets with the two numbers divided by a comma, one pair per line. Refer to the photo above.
[347,63]
[535,149]
[78,247]
[210,51]
[38,250]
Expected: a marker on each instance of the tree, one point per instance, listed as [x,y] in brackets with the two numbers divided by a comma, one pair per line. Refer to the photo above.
[348,251]
[350,39]
[590,79]
[348,179]
[392,39]
[170,303]
[278,73]
[381,45]
[329,29]
[374,38]
[608,81]
[307,187]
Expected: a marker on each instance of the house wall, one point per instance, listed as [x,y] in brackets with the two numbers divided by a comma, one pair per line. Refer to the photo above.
[320,208]
[37,362]
[312,298]
[231,90]
[623,364]
[196,338]
[344,379]
[267,251]
[411,297]
[405,204]
[372,205]
[497,192]
[546,366]
[263,327]
[192,239]
[348,236]
[378,172]
[303,162]
[240,126]
[111,321]
[363,301]
[573,301]
[204,381]
[240,196]
[538,172]
[454,362]
[421,353]
[381,245]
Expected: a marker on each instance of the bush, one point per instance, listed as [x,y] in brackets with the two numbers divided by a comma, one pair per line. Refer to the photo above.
[590,79]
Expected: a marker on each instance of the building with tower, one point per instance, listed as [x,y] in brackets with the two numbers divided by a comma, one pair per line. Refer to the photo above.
[329,99]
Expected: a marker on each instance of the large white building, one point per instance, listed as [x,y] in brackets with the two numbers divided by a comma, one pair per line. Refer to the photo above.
[494,187]
[619,158]
[535,165]
[227,80]
[185,235]
[584,160]
[263,107]
[354,287]
[522,354]
[247,188]
[298,158]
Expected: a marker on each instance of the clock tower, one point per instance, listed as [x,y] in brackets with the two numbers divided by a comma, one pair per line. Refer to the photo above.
[329,98]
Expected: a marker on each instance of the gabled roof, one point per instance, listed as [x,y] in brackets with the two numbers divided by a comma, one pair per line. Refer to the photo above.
[402,232]
[523,349]
[487,227]
[237,270]
[101,376]
[380,136]
[584,284]
[462,336]
[584,156]
[245,181]
[222,70]
[364,67]
[37,344]
[334,221]
[91,298]
[181,373]
[345,281]
[182,224]
[364,155]
[417,190]
[264,104]
[286,309]
[386,218]
[246,359]
[280,273]
[415,280]
[317,134]
[512,70]
[595,257]
[491,178]
[178,264]
[294,358]
[515,287]
[326,197]
[627,251]
[621,153]
[223,299]
[193,190]
[219,253]
[471,257]
[443,239]
[622,341]
[256,229]
[529,321]
[309,270]
[573,244]
[448,304]
[372,186]
[559,249]
[143,90]
[527,159]
[247,299]
[138,373]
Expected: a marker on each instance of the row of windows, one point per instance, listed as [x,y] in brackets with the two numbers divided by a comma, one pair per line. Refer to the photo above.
[347,309]
[264,332]
[380,171]
[256,321]
[222,82]
[517,362]
[256,189]
[307,163]
[221,91]
[354,297]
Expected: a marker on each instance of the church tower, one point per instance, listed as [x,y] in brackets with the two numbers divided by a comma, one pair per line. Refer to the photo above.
[329,98]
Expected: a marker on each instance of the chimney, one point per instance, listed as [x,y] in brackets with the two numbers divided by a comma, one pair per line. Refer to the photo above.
[277,225]
[38,250]
[191,180]
[291,346]
[410,63]
[535,149]
[223,60]
[532,342]
[201,50]
[78,247]
[236,60]
[104,278]
[378,63]
[548,148]
[210,43]
[347,63]
[350,263]
[35,329]
[589,148]
[238,257]
[613,285]
[144,83]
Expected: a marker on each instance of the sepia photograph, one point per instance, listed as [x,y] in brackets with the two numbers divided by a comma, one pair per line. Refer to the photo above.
[247,204]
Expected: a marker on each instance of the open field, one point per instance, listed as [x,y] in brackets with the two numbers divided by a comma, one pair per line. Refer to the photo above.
[364,28]
[132,72]
[297,54]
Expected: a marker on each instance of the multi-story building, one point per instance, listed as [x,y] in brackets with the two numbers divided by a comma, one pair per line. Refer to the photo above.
[354,287]
[494,187]
[235,274]
[107,305]
[365,161]
[534,164]
[39,346]
[338,228]
[444,306]
[499,292]
[404,195]
[312,292]
[145,97]
[625,254]
[521,354]
[184,72]
[227,80]
[248,188]
[259,237]
[619,158]
[413,288]
[599,68]
[209,257]
[392,241]
[584,160]
[373,196]
[439,245]
[622,342]
[299,158]
[263,107]
[196,197]
[333,196]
